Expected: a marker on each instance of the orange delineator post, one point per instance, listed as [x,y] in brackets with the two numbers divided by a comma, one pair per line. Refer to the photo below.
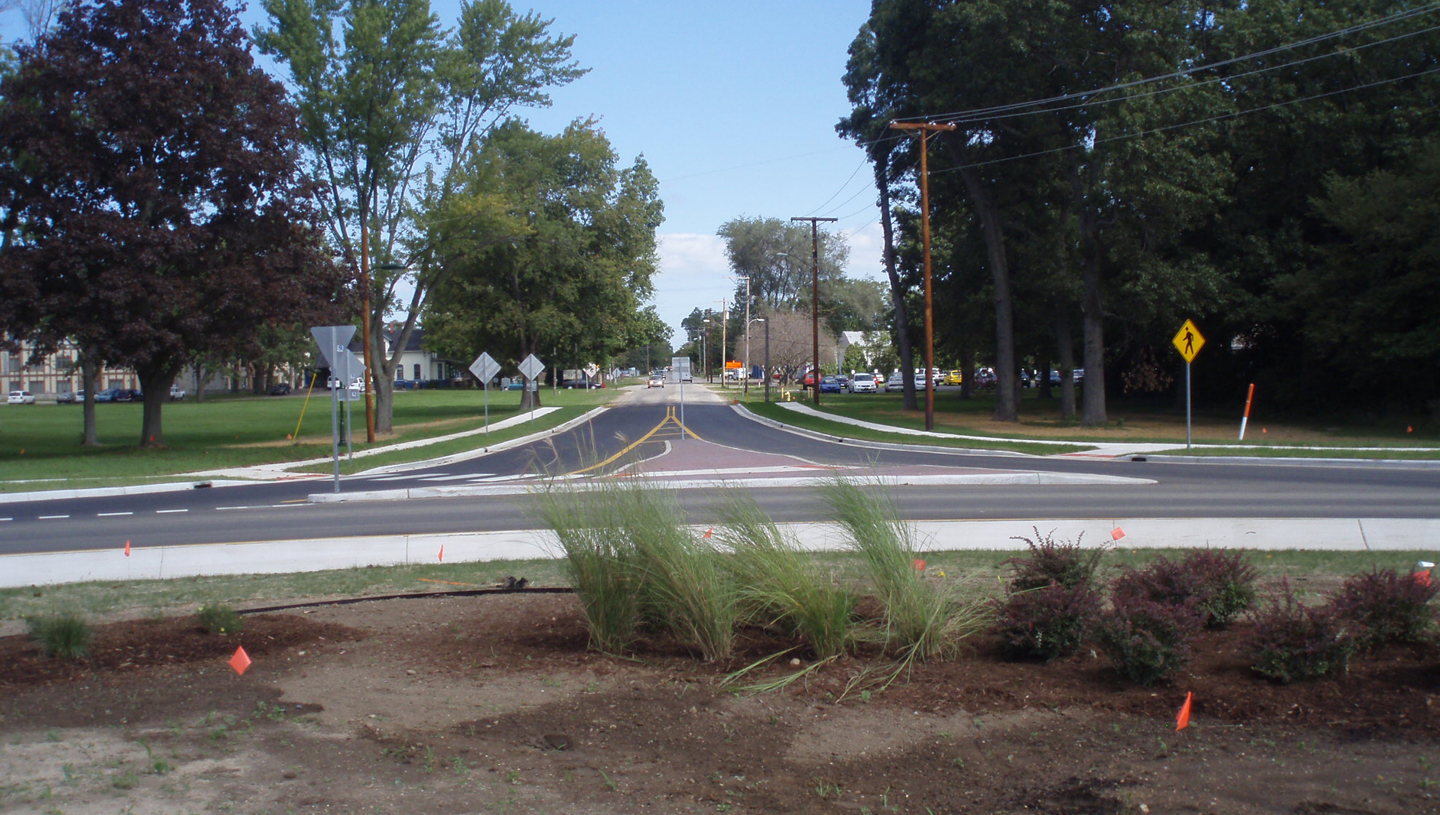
[1246,418]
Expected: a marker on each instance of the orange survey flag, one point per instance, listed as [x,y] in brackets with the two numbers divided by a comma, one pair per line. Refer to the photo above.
[1183,720]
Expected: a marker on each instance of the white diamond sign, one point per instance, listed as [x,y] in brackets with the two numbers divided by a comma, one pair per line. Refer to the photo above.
[532,367]
[485,367]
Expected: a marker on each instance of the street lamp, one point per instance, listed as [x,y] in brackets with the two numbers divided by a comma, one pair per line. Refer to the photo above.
[704,357]
[749,323]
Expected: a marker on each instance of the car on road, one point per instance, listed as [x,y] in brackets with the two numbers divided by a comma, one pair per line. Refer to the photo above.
[862,383]
[21,398]
[829,384]
[655,381]
[896,382]
[280,389]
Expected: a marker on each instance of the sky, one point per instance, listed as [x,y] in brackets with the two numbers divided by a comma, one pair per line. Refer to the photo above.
[733,105]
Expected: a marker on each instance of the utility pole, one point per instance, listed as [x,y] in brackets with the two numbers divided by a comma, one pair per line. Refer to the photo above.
[724,326]
[815,296]
[747,335]
[925,128]
[365,324]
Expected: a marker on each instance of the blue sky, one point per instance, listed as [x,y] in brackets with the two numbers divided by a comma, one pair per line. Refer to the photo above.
[733,104]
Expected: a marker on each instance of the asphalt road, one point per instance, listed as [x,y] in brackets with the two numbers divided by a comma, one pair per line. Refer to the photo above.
[648,422]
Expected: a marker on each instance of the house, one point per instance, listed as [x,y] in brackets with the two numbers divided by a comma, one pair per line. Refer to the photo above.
[416,364]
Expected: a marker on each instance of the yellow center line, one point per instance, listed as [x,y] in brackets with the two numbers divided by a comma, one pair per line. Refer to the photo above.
[669,417]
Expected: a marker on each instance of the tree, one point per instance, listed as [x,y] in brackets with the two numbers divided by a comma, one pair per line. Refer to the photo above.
[393,99]
[154,209]
[776,256]
[551,249]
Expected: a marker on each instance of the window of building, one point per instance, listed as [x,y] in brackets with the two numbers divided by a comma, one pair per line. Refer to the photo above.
[417,370]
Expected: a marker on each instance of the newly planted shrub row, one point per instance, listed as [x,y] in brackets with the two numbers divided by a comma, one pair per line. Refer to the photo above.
[68,635]
[1053,606]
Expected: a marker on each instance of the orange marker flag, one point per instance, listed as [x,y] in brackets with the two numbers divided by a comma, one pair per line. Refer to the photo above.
[127,548]
[1117,533]
[919,565]
[708,533]
[442,553]
[1183,720]
[240,661]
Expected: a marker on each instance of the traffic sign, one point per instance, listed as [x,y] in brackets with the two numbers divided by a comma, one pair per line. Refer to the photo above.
[1188,341]
[329,337]
[484,367]
[532,367]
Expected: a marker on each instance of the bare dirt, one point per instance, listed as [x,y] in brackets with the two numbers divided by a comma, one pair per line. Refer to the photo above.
[493,704]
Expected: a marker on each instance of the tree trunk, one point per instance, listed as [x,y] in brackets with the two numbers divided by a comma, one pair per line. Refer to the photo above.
[199,382]
[897,292]
[1044,374]
[1006,402]
[1092,410]
[89,375]
[156,386]
[1066,355]
[967,372]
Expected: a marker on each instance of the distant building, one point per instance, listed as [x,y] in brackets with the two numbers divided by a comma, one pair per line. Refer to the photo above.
[417,364]
[56,373]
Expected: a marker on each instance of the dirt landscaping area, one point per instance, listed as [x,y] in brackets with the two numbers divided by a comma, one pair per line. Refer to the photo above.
[493,704]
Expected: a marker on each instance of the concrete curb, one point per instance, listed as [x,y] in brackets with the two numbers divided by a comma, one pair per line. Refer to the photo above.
[1378,535]
[106,492]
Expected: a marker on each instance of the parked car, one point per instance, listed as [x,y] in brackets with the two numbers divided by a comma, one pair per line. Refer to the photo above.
[896,382]
[177,393]
[112,395]
[808,380]
[21,398]
[954,378]
[280,389]
[829,384]
[655,381]
[862,383]
[70,397]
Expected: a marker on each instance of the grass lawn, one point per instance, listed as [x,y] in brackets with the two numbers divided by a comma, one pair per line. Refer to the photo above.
[40,444]
[1130,421]
[1311,573]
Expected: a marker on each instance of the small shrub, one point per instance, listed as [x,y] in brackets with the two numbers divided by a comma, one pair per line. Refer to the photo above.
[1067,564]
[1291,642]
[67,636]
[219,619]
[1386,607]
[1148,641]
[1048,622]
[1217,584]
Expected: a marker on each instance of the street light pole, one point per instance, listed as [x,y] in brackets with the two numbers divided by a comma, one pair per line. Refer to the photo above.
[767,360]
[747,335]
[705,357]
[748,323]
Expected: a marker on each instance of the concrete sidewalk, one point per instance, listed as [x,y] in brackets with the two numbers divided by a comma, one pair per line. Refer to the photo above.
[271,557]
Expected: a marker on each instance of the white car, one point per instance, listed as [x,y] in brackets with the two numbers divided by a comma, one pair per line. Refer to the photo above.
[896,382]
[862,383]
[655,381]
[21,398]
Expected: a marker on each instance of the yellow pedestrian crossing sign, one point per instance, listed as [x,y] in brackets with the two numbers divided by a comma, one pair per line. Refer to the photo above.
[1188,341]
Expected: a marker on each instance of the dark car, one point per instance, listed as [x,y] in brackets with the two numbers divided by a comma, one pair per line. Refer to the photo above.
[281,389]
[112,395]
[830,384]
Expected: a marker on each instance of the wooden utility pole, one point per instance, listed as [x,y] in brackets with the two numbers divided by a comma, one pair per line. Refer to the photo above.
[925,128]
[815,297]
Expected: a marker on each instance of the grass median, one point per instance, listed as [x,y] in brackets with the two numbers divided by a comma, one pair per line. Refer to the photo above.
[1132,421]
[40,444]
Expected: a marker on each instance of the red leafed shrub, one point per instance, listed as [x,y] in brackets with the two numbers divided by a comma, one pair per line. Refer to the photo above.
[1048,622]
[1068,564]
[1147,640]
[1386,607]
[1221,584]
[1291,641]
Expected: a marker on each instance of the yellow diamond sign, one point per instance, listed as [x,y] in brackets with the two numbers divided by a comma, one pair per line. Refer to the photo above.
[1188,341]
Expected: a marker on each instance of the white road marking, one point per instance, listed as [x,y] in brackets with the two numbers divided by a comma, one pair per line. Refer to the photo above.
[53,517]
[455,477]
[112,514]
[169,511]
[225,508]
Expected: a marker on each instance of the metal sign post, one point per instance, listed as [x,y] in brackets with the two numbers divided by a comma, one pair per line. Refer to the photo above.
[485,367]
[532,367]
[333,341]
[1188,342]
[680,369]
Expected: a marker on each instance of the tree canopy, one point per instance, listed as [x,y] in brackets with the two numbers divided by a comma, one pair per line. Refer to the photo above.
[154,209]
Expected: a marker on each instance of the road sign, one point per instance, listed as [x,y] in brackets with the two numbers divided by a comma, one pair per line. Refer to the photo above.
[532,367]
[328,342]
[484,367]
[679,369]
[1188,341]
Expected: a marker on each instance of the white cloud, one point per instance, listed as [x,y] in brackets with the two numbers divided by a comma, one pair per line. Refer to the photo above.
[693,274]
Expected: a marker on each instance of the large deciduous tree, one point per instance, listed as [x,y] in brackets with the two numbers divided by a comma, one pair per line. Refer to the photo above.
[391,107]
[149,178]
[551,250]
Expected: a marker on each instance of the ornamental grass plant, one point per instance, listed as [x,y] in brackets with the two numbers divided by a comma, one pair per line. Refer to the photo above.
[66,635]
[779,584]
